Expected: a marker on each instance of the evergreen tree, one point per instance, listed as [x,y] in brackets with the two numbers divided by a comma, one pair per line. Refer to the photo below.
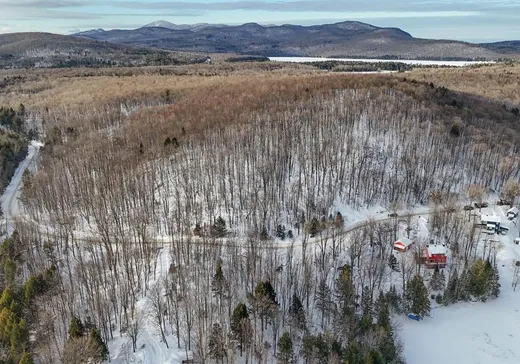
[219,229]
[265,301]
[482,280]
[280,232]
[393,299]
[387,348]
[354,354]
[417,296]
[383,313]
[297,313]
[266,290]
[393,263]
[219,284]
[442,280]
[436,281]
[197,231]
[323,300]
[366,322]
[495,284]
[99,343]
[374,357]
[339,222]
[285,349]
[241,331]
[264,234]
[26,358]
[316,349]
[313,227]
[366,301]
[450,293]
[216,344]
[19,338]
[76,328]
[346,293]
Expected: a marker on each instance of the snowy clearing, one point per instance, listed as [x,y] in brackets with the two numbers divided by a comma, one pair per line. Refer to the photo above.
[405,61]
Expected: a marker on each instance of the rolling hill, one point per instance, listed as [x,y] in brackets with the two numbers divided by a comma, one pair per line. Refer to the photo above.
[19,50]
[345,39]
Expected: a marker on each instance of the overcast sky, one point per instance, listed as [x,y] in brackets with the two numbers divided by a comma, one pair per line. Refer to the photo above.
[470,20]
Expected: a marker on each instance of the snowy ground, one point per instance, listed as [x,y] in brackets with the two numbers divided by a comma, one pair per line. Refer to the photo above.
[150,348]
[405,61]
[472,332]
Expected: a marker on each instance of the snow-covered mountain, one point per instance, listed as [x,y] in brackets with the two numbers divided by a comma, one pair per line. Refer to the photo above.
[91,32]
[192,27]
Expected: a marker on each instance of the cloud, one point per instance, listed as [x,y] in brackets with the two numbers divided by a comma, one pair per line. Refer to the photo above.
[317,5]
[43,4]
[5,28]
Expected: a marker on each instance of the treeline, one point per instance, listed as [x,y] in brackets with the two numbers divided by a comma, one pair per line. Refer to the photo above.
[352,66]
[247,59]
[101,61]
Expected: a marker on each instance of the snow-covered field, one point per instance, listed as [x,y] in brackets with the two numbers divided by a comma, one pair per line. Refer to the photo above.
[405,61]
[472,332]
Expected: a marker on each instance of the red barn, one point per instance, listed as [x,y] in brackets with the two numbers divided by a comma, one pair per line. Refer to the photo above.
[435,256]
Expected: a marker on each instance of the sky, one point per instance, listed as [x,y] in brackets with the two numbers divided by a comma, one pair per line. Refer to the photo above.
[468,20]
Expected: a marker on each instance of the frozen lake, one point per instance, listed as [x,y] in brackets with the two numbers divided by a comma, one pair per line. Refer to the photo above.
[406,61]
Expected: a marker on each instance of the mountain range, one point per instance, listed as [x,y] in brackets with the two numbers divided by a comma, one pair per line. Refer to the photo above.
[344,39]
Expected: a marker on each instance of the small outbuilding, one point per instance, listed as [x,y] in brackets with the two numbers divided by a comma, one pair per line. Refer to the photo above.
[403,244]
[435,255]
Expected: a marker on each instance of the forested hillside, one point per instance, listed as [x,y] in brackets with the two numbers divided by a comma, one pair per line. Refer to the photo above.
[214,218]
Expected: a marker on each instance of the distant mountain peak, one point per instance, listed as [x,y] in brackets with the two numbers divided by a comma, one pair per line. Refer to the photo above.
[354,25]
[160,24]
[172,26]
[91,32]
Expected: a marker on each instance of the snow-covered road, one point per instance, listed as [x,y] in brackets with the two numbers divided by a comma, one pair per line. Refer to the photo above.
[9,199]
